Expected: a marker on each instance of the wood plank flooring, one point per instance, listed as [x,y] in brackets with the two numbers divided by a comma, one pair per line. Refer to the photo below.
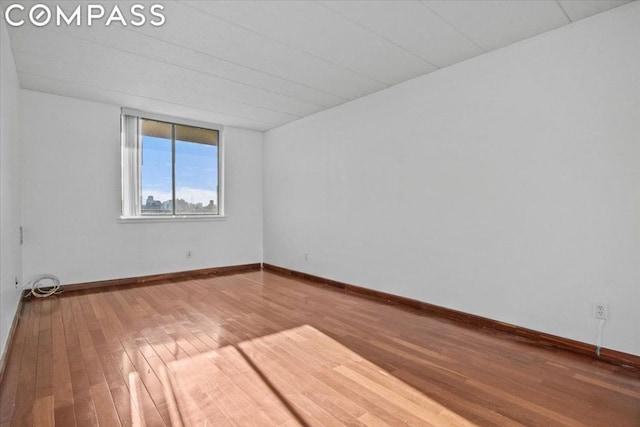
[258,348]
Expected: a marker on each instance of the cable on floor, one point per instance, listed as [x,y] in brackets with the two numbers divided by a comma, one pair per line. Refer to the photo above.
[44,286]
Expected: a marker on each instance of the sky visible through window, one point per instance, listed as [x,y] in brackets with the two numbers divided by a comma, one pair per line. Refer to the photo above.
[196,173]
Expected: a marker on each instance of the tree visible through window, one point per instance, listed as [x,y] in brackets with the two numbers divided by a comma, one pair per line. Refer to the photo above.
[176,167]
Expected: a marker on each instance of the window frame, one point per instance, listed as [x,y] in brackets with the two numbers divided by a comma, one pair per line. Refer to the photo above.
[130,150]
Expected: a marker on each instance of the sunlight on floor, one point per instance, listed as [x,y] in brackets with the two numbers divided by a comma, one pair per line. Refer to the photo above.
[298,376]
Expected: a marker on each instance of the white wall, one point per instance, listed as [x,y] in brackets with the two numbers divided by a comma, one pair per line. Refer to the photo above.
[507,186]
[10,252]
[71,201]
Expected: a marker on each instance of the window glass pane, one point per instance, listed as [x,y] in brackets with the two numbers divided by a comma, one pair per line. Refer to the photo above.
[196,171]
[155,168]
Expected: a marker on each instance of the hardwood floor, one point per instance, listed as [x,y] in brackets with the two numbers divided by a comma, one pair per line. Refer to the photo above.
[262,349]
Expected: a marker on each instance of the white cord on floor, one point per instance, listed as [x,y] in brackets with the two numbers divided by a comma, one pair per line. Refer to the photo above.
[44,286]
[599,342]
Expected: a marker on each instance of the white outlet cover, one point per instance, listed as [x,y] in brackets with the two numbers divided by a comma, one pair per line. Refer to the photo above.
[601,311]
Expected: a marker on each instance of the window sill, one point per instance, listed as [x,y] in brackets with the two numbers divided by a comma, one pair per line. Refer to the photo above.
[172,218]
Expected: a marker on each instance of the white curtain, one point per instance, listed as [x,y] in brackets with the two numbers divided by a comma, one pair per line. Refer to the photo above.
[130,166]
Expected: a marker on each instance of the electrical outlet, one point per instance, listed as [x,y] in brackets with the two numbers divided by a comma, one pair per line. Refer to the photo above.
[188,254]
[306,256]
[17,282]
[601,311]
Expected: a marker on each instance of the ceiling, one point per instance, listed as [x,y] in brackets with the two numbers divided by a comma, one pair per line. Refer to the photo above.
[261,64]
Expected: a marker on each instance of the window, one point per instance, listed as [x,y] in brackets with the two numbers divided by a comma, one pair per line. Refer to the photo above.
[170,167]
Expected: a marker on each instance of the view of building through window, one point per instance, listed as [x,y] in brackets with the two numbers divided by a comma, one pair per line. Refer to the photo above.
[179,169]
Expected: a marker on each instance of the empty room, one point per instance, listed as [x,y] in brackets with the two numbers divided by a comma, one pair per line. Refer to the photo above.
[320,213]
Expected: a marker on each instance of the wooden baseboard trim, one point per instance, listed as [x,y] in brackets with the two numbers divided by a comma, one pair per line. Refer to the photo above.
[215,271]
[540,338]
[9,343]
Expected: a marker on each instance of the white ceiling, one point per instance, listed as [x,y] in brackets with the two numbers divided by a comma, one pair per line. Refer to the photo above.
[261,64]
